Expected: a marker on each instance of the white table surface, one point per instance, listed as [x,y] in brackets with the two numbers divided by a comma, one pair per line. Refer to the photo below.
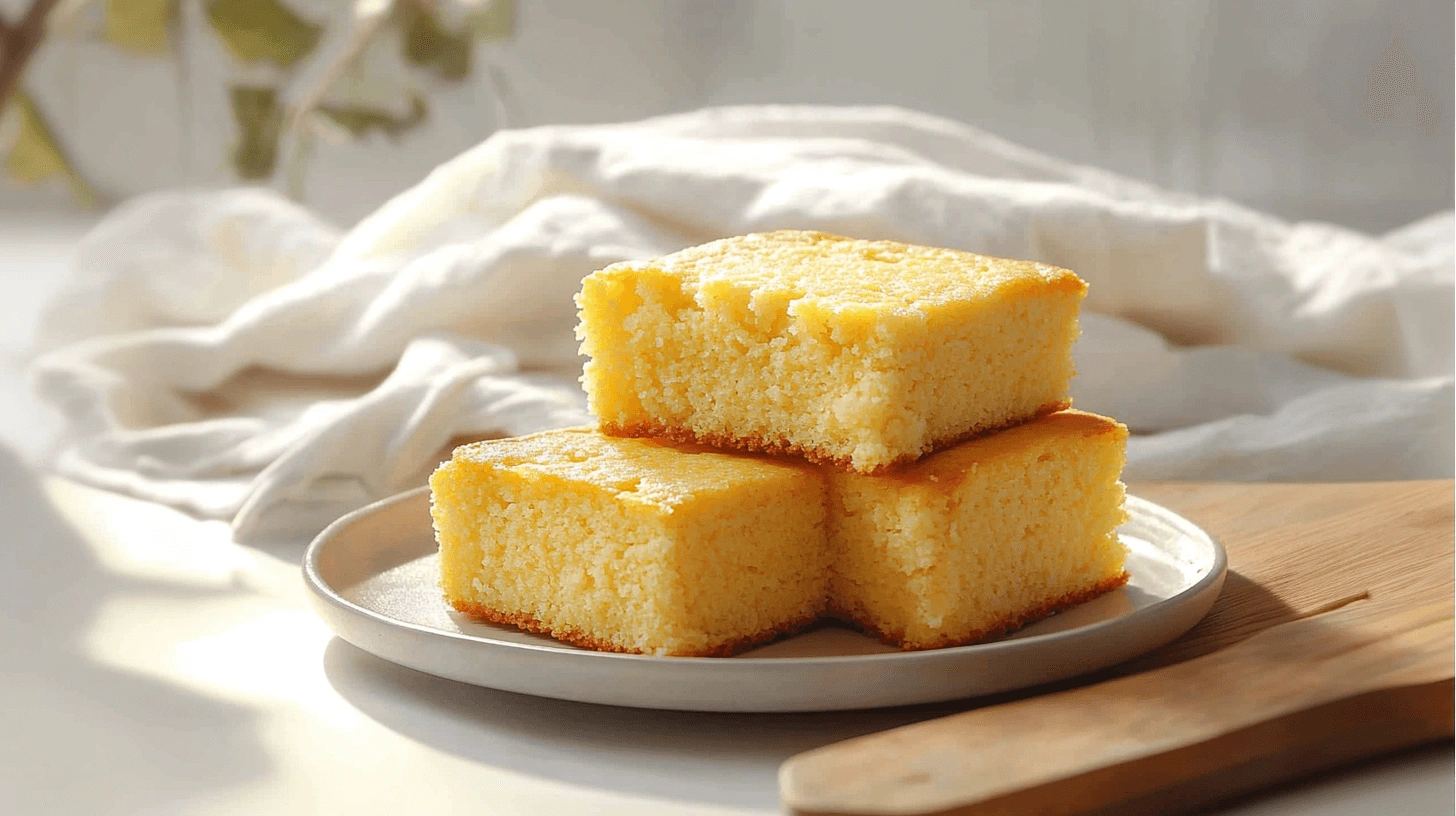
[149,664]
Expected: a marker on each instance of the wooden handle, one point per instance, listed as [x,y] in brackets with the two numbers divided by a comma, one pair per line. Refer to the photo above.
[1350,674]
[1296,697]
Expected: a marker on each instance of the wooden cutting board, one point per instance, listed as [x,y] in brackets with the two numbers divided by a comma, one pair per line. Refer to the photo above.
[1333,640]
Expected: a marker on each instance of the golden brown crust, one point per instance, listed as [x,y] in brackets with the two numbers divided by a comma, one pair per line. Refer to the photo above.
[855,617]
[861,620]
[781,447]
[576,637]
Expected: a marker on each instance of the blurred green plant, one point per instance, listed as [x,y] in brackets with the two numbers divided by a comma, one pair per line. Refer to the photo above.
[259,123]
[255,32]
[35,156]
[360,121]
[140,26]
[427,45]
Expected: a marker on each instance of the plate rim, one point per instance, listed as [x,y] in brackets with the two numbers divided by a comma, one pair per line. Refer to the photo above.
[322,590]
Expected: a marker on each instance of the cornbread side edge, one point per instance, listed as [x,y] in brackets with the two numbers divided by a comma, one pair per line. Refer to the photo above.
[577,637]
[782,447]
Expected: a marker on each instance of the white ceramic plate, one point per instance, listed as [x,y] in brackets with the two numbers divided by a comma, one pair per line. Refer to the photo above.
[373,578]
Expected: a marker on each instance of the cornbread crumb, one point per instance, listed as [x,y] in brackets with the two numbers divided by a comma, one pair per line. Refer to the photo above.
[981,538]
[631,545]
[862,354]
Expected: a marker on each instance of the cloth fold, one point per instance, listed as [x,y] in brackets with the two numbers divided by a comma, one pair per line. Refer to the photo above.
[228,353]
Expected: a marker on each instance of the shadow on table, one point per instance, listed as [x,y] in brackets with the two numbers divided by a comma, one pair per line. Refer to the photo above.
[81,736]
[715,758]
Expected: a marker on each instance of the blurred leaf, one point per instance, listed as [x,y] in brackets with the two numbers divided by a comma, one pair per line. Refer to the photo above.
[139,26]
[36,156]
[360,120]
[428,45]
[263,30]
[497,21]
[260,122]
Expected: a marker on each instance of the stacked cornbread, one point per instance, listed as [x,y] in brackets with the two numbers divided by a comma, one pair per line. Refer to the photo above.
[795,425]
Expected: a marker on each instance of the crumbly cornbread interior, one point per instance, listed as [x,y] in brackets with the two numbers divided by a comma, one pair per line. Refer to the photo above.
[631,545]
[982,537]
[858,353]
[642,546]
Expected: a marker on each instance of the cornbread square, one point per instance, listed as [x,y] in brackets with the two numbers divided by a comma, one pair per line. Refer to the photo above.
[983,537]
[631,545]
[858,353]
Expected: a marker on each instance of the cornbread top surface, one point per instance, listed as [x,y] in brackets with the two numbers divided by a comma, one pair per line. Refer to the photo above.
[833,271]
[647,471]
[947,468]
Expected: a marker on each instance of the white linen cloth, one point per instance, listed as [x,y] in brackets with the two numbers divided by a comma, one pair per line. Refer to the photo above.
[230,354]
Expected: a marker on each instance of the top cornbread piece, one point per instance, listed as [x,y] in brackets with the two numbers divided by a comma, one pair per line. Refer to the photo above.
[857,353]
